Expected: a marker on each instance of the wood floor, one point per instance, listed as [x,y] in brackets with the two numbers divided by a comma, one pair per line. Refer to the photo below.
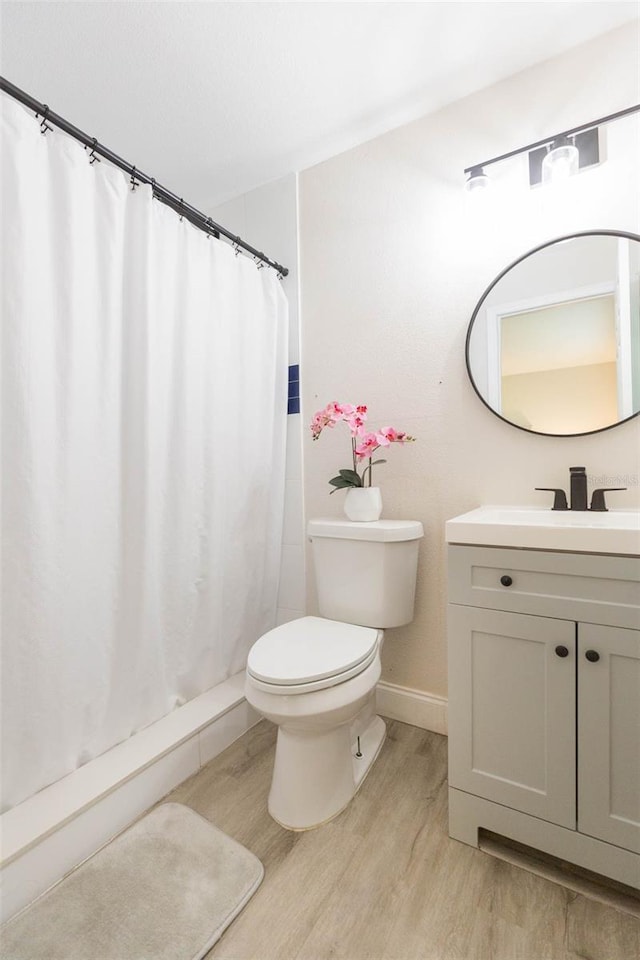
[383,881]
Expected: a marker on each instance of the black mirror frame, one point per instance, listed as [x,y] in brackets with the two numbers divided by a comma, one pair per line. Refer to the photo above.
[548,243]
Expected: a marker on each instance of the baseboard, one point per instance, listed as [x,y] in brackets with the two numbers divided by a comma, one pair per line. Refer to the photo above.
[52,832]
[412,706]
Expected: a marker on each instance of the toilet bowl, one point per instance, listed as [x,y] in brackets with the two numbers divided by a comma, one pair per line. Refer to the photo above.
[315,677]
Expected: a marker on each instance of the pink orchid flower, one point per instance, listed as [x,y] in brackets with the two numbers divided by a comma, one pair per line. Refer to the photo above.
[367,445]
[394,436]
[354,416]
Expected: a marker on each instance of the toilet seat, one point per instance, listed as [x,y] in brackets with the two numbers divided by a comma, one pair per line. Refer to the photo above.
[311,653]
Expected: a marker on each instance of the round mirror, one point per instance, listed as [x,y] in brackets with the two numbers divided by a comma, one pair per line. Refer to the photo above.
[553,346]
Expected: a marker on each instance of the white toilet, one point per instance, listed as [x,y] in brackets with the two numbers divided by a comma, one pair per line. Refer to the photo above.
[316,677]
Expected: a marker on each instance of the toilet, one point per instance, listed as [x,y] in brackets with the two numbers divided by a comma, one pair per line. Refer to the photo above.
[315,677]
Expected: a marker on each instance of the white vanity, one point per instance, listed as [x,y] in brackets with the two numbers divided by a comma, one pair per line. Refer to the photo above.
[544,683]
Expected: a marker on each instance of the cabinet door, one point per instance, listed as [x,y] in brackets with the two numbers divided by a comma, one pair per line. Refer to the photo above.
[512,710]
[609,734]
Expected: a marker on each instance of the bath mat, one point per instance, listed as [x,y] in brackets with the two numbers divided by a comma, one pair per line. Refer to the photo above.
[165,889]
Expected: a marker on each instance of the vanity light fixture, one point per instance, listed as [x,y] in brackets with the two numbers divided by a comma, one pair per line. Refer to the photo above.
[556,157]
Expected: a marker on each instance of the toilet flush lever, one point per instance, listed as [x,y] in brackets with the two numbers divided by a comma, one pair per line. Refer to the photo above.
[358,752]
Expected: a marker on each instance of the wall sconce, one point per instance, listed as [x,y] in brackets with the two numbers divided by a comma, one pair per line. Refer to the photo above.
[555,158]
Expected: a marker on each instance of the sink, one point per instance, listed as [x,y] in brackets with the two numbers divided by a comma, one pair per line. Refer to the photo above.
[537,528]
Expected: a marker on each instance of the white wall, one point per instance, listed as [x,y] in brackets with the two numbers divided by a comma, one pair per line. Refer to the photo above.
[267,218]
[394,256]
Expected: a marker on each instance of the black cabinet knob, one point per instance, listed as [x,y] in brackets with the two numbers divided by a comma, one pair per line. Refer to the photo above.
[562,651]
[506,580]
[592,655]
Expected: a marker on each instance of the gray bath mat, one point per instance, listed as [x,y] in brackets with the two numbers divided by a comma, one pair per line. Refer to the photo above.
[165,889]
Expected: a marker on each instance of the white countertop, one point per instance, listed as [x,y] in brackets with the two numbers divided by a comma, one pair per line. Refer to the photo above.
[537,528]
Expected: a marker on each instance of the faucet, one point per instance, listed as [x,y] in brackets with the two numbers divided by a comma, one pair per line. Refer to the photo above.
[578,492]
[578,487]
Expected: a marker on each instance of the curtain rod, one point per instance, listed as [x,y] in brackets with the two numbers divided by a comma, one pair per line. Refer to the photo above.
[190,213]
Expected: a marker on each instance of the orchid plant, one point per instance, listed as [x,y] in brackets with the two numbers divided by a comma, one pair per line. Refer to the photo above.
[364,442]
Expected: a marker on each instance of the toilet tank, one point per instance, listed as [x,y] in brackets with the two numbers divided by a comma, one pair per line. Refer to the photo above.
[366,572]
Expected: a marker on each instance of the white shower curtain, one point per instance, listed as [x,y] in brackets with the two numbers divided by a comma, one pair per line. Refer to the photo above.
[144,416]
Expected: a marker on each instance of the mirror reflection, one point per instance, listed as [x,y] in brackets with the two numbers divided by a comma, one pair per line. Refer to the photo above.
[554,343]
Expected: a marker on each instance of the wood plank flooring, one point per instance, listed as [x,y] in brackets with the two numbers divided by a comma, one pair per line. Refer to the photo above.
[383,881]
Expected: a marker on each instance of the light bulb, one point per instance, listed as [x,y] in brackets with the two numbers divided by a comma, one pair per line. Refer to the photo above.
[561,162]
[477,180]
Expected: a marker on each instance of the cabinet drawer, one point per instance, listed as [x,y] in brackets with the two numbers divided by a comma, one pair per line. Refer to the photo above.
[588,587]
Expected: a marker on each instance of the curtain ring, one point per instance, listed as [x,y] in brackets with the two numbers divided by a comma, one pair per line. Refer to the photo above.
[92,156]
[181,209]
[134,183]
[44,126]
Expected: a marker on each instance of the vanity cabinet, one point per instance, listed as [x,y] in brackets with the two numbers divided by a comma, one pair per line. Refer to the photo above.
[544,703]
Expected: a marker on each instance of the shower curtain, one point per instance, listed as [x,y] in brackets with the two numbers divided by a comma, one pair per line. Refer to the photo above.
[143,441]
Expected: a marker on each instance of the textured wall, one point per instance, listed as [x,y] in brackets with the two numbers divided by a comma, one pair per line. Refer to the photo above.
[394,256]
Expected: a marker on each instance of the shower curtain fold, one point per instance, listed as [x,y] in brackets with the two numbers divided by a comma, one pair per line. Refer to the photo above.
[143,434]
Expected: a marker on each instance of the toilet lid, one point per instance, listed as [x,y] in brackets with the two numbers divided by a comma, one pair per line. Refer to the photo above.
[310,649]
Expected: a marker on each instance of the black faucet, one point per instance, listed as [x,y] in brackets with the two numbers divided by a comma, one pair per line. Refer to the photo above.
[578,491]
[578,488]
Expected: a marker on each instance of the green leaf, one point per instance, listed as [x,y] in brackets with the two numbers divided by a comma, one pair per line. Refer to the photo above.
[377,461]
[346,479]
[352,477]
[340,482]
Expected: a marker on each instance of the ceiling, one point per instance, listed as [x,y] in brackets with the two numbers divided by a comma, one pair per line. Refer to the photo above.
[213,99]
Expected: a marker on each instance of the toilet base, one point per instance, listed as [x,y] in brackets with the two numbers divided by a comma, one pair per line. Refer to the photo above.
[316,774]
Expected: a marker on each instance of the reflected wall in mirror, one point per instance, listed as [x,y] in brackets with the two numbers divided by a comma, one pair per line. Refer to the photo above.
[553,346]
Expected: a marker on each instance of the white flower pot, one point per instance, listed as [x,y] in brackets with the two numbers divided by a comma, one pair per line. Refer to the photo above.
[363,503]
